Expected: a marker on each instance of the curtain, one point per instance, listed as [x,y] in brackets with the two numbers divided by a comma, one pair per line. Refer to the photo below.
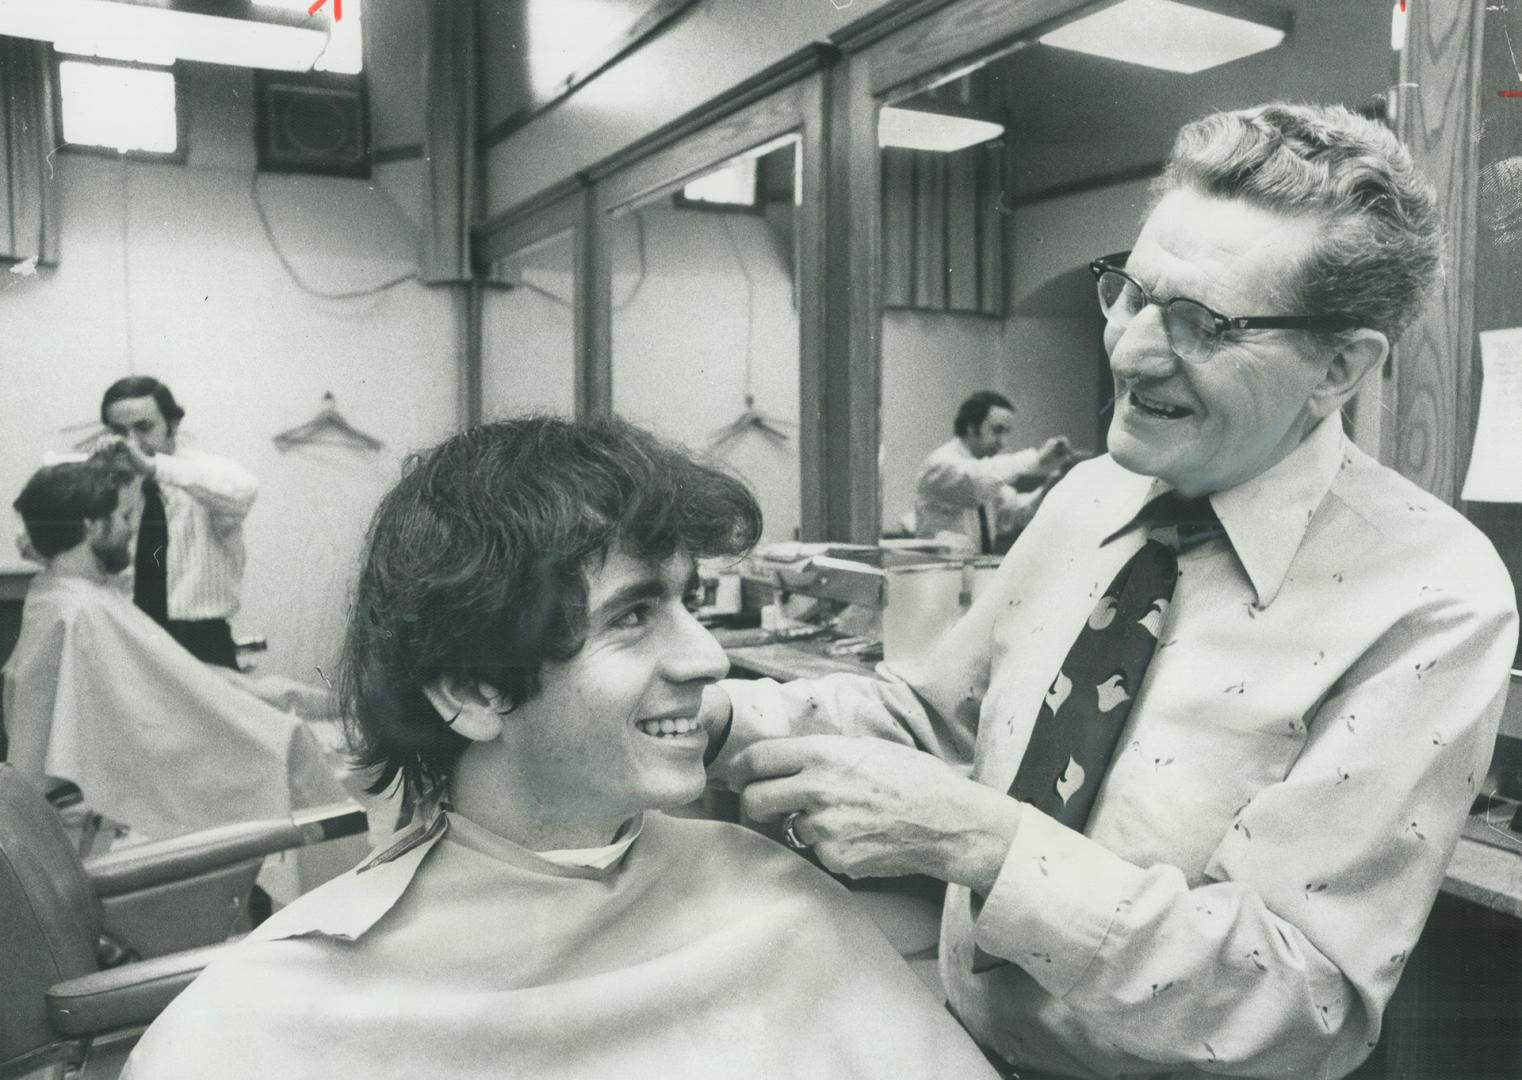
[28,189]
[449,146]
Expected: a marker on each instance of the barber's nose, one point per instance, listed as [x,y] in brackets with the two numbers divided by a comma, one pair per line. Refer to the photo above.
[1142,351]
[693,654]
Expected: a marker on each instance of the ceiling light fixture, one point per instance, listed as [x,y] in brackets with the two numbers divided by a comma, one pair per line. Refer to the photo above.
[919,129]
[161,31]
[1185,36]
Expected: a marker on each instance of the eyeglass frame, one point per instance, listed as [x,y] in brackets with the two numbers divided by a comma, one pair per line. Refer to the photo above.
[1115,264]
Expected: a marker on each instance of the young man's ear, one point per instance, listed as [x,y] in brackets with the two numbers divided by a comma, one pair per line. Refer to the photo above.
[468,706]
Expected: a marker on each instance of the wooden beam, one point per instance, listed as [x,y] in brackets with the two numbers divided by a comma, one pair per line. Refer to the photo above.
[1437,117]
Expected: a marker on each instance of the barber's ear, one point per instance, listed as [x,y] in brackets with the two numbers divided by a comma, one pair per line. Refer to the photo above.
[1359,352]
[468,706]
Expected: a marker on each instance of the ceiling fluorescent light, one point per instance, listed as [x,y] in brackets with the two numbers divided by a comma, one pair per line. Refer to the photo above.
[916,129]
[159,31]
[1174,35]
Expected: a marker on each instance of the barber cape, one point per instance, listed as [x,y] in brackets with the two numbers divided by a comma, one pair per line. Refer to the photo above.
[707,952]
[98,693]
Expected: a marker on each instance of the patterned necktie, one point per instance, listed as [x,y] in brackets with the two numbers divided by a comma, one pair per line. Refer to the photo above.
[1087,705]
[1088,702]
[150,578]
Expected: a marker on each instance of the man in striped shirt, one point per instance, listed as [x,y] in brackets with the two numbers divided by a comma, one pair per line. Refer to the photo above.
[187,567]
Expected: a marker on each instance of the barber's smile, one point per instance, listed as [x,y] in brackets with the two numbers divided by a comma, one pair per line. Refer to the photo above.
[1150,404]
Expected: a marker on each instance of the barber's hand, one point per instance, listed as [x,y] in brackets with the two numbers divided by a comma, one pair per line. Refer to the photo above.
[141,463]
[1055,453]
[871,808]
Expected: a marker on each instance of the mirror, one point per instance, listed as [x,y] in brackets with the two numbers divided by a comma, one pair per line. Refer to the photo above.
[528,331]
[705,320]
[985,248]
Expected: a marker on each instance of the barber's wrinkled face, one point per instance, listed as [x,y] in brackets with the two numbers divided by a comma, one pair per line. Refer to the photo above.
[613,730]
[111,538]
[1206,426]
[139,420]
[994,435]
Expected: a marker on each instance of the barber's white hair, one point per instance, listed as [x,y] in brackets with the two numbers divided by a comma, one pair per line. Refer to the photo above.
[1379,247]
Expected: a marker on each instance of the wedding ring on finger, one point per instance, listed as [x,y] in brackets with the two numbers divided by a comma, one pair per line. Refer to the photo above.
[790,831]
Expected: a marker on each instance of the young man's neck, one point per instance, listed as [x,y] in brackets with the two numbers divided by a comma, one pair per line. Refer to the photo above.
[502,796]
[78,562]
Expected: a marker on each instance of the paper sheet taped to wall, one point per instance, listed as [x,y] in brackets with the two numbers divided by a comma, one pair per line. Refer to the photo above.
[1495,467]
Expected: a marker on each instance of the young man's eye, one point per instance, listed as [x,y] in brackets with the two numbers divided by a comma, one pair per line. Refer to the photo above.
[633,618]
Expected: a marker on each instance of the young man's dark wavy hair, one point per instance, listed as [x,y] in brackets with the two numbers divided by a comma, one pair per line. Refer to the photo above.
[477,561]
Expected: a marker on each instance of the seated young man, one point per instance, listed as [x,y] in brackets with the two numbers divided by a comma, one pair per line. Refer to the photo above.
[522,658]
[98,693]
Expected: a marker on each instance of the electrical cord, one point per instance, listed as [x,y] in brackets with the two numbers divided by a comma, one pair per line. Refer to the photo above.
[269,233]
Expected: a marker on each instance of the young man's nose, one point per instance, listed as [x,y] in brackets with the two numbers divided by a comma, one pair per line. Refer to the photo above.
[693,654]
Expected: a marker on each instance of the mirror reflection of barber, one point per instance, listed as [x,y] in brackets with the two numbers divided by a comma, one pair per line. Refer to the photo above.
[976,491]
[187,565]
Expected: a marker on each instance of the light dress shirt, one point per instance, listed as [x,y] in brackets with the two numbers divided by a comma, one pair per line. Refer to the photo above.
[1284,800]
[953,484]
[206,498]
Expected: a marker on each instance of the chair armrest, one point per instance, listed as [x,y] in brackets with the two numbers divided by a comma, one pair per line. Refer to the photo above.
[132,994]
[158,862]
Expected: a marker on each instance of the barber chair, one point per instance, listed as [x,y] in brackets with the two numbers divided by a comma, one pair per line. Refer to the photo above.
[91,952]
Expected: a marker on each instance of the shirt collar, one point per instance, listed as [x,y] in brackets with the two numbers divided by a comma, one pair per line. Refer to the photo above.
[1266,517]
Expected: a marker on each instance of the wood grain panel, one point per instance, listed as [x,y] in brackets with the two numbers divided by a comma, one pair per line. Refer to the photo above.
[812,306]
[1437,118]
[852,376]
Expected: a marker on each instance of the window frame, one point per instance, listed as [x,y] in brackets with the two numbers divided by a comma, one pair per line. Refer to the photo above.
[179,156]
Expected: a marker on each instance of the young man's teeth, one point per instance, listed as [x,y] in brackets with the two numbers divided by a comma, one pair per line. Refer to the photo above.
[669,726]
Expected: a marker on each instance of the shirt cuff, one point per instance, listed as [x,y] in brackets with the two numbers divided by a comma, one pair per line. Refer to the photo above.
[1053,903]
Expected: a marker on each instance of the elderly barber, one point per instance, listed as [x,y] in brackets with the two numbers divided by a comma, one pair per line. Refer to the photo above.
[1235,687]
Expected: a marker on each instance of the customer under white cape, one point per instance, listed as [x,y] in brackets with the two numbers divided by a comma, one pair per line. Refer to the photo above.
[523,657]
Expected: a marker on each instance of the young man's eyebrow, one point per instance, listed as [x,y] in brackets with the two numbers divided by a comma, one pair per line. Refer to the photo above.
[648,588]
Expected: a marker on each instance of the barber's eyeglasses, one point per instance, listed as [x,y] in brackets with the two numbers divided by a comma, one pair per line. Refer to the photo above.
[1194,330]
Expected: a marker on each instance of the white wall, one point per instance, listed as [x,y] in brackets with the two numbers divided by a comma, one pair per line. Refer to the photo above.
[528,334]
[681,333]
[165,270]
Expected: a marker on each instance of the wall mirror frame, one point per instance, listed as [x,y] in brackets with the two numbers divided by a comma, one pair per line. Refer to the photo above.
[761,116]
[564,211]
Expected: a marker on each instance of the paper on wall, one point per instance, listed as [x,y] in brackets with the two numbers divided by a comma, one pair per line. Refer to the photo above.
[1495,466]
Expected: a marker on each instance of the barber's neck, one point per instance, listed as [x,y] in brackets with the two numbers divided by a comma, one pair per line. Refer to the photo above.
[79,562]
[520,800]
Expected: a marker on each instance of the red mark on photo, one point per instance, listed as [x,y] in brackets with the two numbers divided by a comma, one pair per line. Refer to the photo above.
[338,8]
[1511,93]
